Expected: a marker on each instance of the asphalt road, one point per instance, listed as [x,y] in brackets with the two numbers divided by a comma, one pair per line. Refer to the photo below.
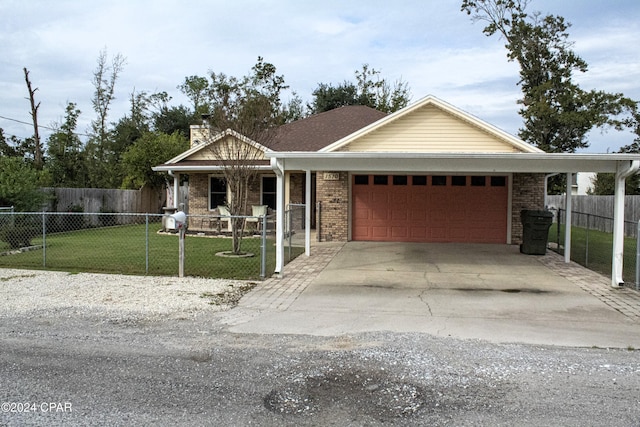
[62,370]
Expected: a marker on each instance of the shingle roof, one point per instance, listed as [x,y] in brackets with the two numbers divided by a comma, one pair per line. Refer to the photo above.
[315,132]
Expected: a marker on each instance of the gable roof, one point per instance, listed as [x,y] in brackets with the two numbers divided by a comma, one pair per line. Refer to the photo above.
[216,138]
[428,126]
[319,130]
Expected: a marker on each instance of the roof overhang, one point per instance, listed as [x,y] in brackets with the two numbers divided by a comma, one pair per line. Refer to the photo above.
[199,169]
[451,162]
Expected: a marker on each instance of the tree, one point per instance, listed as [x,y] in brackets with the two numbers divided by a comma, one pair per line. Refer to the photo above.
[100,151]
[19,185]
[604,183]
[66,161]
[557,113]
[37,146]
[196,88]
[151,149]
[245,111]
[369,89]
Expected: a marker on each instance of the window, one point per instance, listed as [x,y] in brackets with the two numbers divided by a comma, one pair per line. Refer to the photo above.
[478,181]
[399,180]
[498,181]
[217,192]
[380,180]
[419,180]
[438,180]
[459,181]
[361,179]
[269,191]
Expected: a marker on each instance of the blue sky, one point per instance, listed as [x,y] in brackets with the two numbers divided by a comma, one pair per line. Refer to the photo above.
[429,44]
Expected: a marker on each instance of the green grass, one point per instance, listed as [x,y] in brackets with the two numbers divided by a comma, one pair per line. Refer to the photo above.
[593,249]
[122,250]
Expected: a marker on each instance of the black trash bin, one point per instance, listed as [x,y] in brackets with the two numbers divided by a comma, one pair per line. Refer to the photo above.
[535,231]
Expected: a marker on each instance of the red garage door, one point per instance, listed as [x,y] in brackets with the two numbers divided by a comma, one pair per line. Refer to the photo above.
[430,208]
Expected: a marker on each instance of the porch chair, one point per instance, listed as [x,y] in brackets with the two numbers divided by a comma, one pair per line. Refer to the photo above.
[225,215]
[257,212]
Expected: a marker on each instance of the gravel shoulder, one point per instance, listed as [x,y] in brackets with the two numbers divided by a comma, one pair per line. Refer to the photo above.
[25,292]
[124,350]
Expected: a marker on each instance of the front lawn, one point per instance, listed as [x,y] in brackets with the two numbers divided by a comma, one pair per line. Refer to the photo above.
[123,249]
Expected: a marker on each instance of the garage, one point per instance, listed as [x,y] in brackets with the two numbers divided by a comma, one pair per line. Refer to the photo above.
[430,208]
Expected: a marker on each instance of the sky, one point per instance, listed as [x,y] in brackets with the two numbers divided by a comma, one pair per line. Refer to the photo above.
[429,44]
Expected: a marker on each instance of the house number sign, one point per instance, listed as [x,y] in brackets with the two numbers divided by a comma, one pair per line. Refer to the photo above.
[331,176]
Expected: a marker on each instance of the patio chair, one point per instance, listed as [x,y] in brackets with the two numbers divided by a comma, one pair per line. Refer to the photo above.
[257,212]
[225,215]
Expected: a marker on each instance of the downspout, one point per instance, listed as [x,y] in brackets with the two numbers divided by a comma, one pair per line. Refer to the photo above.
[546,186]
[622,173]
[278,169]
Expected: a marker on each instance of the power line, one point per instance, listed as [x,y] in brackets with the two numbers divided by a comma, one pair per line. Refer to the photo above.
[40,126]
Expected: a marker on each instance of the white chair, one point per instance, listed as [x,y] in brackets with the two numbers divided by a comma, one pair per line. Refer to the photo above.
[225,215]
[257,213]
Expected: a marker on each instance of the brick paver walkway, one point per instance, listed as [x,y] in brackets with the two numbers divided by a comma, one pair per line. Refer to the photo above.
[625,300]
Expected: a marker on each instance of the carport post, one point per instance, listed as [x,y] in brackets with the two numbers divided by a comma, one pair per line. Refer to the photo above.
[567,221]
[624,170]
[307,214]
[278,167]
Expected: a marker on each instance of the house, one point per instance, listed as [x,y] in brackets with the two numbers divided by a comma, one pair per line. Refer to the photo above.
[427,173]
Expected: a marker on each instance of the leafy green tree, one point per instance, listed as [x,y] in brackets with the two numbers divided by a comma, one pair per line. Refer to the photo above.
[196,88]
[604,183]
[174,119]
[151,149]
[19,185]
[557,113]
[252,107]
[65,156]
[102,156]
[369,89]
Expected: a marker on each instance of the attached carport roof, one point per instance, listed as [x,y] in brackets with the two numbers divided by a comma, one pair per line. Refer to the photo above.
[450,162]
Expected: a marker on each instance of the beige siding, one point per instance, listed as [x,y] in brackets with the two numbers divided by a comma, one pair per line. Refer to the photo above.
[199,135]
[234,149]
[430,129]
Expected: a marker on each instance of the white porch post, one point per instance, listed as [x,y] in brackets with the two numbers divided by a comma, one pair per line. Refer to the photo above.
[307,214]
[176,189]
[280,188]
[624,170]
[567,220]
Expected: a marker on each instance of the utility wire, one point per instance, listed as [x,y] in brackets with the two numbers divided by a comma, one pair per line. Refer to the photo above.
[40,126]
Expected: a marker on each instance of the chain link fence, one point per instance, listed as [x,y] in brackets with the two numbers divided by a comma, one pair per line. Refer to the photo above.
[592,242]
[294,231]
[137,244]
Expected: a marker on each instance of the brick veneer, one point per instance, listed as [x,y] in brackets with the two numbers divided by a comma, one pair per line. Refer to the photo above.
[334,211]
[198,194]
[528,193]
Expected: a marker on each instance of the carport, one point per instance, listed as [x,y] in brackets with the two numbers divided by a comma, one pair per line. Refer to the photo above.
[622,165]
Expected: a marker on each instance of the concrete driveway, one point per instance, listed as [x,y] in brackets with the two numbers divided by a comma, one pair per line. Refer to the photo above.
[489,292]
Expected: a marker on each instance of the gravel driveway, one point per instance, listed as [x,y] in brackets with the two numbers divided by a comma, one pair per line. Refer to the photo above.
[91,349]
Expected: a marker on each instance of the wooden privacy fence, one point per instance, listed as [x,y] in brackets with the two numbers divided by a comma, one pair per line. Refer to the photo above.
[600,211]
[95,200]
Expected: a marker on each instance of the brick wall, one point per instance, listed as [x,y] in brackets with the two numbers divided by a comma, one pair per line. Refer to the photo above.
[334,196]
[198,194]
[296,188]
[528,193]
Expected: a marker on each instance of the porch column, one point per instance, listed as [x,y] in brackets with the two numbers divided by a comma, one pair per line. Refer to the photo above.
[278,168]
[567,220]
[307,214]
[176,190]
[624,170]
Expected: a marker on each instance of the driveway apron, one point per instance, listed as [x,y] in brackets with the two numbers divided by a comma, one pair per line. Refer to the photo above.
[489,292]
